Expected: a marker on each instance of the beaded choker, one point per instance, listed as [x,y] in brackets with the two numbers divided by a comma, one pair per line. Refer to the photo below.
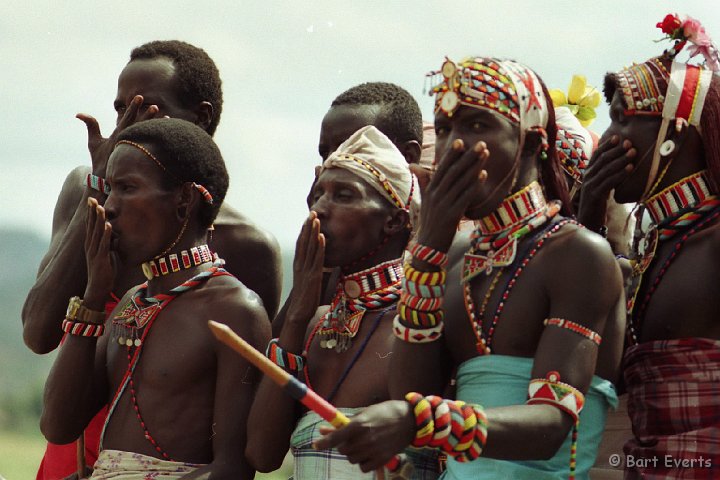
[678,198]
[370,289]
[514,210]
[172,263]
[525,211]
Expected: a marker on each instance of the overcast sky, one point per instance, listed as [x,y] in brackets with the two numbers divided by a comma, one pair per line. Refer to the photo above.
[281,64]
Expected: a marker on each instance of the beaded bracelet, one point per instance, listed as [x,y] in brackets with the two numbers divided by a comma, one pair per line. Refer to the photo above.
[575,328]
[416,335]
[416,318]
[97,183]
[423,290]
[424,278]
[290,362]
[83,329]
[429,255]
[420,303]
[457,428]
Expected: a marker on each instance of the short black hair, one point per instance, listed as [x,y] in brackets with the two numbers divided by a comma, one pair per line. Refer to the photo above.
[188,154]
[198,79]
[399,118]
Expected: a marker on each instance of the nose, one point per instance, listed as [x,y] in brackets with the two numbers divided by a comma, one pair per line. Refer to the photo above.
[319,206]
[110,207]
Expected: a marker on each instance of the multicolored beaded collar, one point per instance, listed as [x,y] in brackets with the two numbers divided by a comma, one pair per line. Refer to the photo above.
[678,198]
[498,233]
[370,289]
[172,263]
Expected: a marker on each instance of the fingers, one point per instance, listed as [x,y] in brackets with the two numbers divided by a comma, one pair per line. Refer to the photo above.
[96,226]
[93,129]
[130,115]
[301,245]
[332,438]
[609,166]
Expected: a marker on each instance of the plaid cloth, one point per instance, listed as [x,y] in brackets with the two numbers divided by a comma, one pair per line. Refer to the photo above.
[119,465]
[311,464]
[674,404]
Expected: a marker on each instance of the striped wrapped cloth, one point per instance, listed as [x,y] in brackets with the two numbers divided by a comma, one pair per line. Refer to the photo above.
[674,404]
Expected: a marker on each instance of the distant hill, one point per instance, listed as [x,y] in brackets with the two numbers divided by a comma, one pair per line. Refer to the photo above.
[22,373]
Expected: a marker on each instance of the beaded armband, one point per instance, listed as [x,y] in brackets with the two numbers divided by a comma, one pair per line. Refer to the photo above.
[290,362]
[82,329]
[551,391]
[575,328]
[97,183]
[429,255]
[455,427]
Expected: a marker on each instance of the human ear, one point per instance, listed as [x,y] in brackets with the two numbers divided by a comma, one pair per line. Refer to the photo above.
[396,221]
[205,114]
[411,150]
[187,200]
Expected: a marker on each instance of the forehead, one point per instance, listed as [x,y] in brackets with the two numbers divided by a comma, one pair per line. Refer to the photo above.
[340,175]
[341,121]
[127,160]
[147,77]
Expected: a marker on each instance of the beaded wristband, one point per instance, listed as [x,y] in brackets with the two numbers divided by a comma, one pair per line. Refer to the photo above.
[424,278]
[575,328]
[551,391]
[423,290]
[416,335]
[290,362]
[97,183]
[429,255]
[457,428]
[82,329]
[415,318]
[420,303]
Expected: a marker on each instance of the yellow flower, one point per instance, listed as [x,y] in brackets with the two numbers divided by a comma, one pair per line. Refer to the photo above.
[581,99]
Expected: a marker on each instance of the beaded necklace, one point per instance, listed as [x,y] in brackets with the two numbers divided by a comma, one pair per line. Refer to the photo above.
[172,263]
[134,357]
[370,289]
[498,233]
[687,205]
[484,341]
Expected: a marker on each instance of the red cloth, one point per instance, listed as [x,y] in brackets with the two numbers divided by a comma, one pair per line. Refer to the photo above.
[674,405]
[60,461]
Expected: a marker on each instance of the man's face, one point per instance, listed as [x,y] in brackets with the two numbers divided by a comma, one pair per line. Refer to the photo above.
[142,213]
[472,125]
[154,79]
[352,215]
[340,122]
[641,131]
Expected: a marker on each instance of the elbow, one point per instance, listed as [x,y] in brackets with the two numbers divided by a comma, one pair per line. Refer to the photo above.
[549,444]
[54,433]
[37,343]
[262,458]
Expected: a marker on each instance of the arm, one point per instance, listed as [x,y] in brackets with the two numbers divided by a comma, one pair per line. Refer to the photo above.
[235,387]
[62,272]
[77,385]
[274,413]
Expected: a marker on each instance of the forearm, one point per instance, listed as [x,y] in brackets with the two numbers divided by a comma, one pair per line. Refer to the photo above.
[271,423]
[64,276]
[72,393]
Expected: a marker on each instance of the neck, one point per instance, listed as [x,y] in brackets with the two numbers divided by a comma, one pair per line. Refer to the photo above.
[680,197]
[176,270]
[514,210]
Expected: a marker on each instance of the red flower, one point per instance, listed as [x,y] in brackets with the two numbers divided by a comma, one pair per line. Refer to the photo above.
[669,24]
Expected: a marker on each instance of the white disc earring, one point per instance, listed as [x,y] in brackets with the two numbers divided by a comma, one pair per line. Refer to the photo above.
[667,148]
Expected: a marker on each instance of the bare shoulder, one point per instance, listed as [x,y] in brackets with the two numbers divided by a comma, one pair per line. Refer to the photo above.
[582,259]
[232,228]
[72,192]
[229,301]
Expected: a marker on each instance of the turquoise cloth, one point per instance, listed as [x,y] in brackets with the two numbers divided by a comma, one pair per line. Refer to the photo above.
[501,380]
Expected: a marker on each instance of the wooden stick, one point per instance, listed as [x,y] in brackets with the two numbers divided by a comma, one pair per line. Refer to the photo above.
[294,387]
[81,456]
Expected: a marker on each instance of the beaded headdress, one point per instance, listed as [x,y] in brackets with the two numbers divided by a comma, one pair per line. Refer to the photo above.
[669,89]
[573,144]
[504,86]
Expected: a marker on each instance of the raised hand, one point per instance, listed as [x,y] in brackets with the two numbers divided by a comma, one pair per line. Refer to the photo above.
[609,166]
[101,274]
[450,192]
[373,436]
[307,271]
[100,148]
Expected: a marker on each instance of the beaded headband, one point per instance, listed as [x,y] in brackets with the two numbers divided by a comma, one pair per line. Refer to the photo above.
[504,86]
[207,196]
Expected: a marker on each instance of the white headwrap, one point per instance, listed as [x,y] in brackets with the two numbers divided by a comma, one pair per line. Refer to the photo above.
[370,155]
